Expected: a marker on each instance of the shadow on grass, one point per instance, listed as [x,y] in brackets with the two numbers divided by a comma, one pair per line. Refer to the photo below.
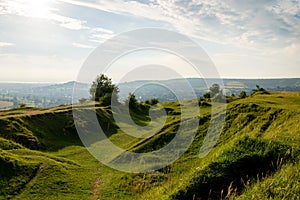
[247,161]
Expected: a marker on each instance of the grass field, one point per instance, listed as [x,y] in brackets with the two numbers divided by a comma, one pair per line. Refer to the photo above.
[256,156]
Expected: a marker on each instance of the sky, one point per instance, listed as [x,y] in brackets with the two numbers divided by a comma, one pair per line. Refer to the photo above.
[49,40]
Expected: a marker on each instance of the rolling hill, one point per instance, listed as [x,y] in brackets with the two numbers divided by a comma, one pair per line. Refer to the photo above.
[256,156]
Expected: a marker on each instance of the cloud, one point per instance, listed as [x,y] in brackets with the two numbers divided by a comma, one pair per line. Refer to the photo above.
[240,33]
[67,22]
[100,34]
[84,46]
[39,10]
[6,44]
[243,24]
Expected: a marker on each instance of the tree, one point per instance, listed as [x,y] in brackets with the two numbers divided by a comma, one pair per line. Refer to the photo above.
[133,103]
[219,97]
[103,90]
[206,95]
[216,94]
[259,90]
[22,105]
[243,95]
[214,90]
[153,101]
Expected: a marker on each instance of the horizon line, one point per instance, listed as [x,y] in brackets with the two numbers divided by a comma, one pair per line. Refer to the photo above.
[225,78]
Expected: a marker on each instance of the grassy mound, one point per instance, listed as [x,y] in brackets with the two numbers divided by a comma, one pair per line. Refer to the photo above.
[15,174]
[246,161]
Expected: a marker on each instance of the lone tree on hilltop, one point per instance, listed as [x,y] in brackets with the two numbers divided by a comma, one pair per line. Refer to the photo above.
[214,90]
[215,93]
[102,89]
[259,90]
[243,95]
[132,101]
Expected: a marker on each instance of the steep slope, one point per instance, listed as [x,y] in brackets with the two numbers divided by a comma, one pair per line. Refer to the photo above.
[33,145]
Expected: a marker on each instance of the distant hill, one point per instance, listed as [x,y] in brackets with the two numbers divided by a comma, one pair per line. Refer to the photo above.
[200,86]
[48,95]
[41,95]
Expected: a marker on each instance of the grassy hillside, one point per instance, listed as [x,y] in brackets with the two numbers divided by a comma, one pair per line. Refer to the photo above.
[257,155]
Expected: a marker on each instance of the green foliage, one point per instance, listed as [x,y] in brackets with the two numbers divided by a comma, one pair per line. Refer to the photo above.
[152,101]
[207,95]
[22,105]
[231,98]
[243,95]
[102,89]
[219,98]
[259,90]
[214,90]
[132,102]
[215,94]
[204,103]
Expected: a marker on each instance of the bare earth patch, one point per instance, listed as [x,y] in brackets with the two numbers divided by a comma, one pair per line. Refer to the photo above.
[96,187]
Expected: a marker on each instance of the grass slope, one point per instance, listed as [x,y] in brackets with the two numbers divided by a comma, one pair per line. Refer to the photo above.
[257,155]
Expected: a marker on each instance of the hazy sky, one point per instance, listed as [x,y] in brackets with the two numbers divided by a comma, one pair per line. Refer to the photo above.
[48,40]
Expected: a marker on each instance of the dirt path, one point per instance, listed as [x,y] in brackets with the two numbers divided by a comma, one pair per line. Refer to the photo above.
[36,111]
[23,113]
[96,187]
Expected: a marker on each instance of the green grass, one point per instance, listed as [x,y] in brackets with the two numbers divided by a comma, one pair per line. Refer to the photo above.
[284,184]
[256,156]
[15,173]
[67,174]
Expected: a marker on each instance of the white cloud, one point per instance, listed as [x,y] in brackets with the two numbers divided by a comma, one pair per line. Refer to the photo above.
[103,30]
[39,9]
[84,46]
[67,22]
[99,35]
[6,44]
[242,24]
[232,22]
[263,33]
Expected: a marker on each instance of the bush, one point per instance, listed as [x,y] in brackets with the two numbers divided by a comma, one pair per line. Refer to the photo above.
[22,105]
[243,95]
